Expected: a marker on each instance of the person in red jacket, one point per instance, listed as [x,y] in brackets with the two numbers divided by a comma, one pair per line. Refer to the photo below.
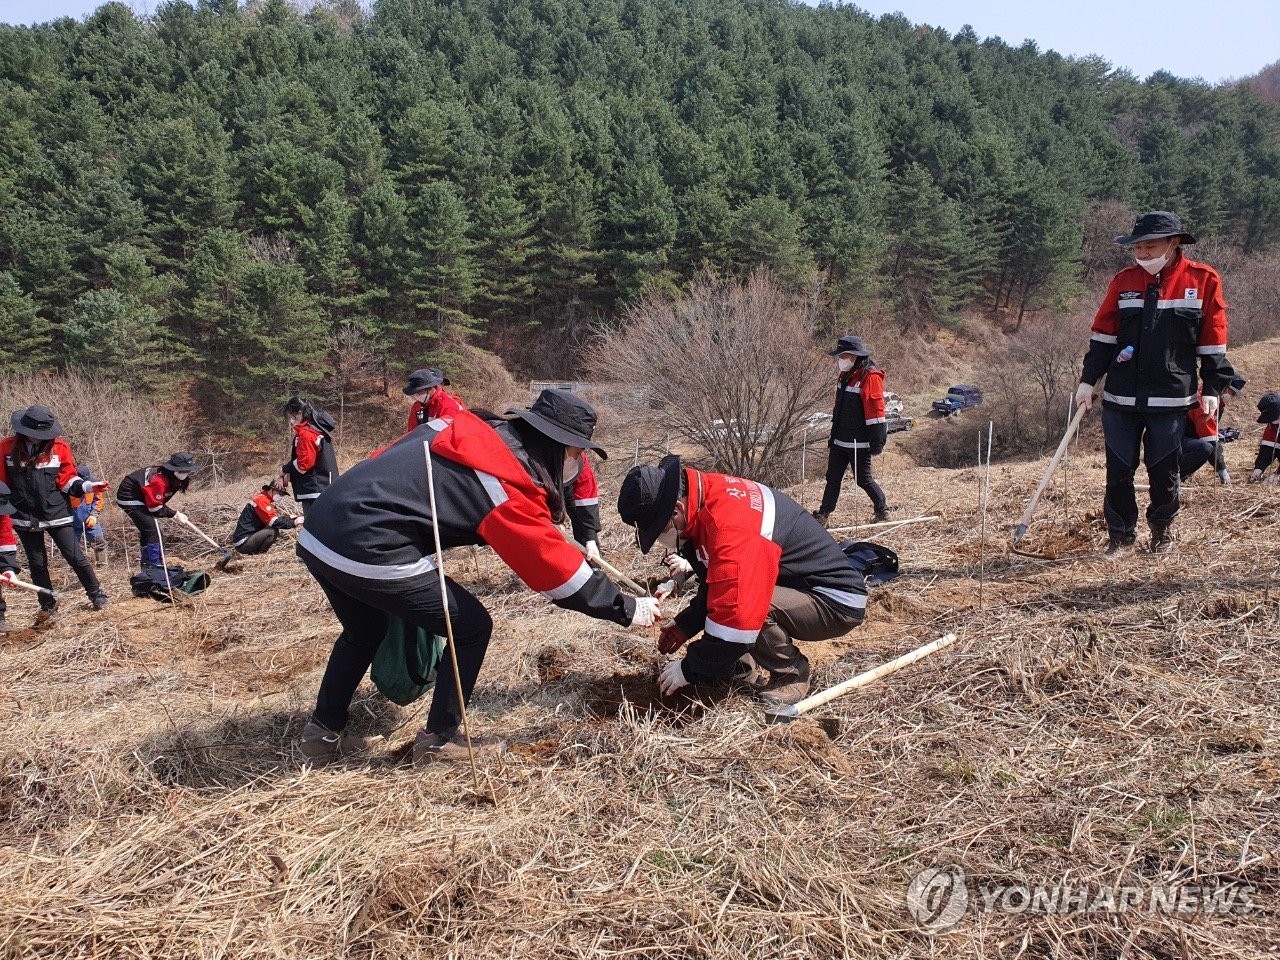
[1269,448]
[769,574]
[1159,321]
[582,497]
[144,497]
[858,428]
[431,401]
[314,463]
[261,521]
[37,465]
[9,566]
[370,542]
[1201,438]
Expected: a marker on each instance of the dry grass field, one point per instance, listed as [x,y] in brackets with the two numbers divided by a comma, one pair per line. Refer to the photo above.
[1107,725]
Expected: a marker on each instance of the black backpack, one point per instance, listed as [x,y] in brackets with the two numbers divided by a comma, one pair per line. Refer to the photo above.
[877,564]
[153,583]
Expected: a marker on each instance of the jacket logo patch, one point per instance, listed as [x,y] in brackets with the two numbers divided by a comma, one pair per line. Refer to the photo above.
[1190,294]
[1131,295]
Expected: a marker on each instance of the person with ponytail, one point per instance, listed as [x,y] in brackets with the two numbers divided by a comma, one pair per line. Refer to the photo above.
[313,465]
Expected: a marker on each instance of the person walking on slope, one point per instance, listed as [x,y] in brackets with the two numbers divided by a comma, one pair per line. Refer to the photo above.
[768,574]
[370,543]
[1201,438]
[315,461]
[1269,447]
[37,465]
[86,514]
[9,566]
[144,497]
[1160,319]
[431,401]
[260,522]
[858,429]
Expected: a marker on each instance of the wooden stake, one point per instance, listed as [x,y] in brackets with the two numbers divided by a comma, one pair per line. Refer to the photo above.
[882,525]
[1020,530]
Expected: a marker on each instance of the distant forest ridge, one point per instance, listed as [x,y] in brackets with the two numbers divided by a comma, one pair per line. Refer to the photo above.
[226,198]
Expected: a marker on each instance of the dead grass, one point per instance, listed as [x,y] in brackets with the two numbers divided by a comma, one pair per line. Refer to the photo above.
[1103,723]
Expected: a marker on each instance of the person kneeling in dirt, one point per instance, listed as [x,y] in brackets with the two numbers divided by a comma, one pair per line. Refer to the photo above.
[261,521]
[8,550]
[370,542]
[1269,448]
[144,497]
[1202,441]
[768,574]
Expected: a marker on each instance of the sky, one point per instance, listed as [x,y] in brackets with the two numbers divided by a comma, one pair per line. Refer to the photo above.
[1218,40]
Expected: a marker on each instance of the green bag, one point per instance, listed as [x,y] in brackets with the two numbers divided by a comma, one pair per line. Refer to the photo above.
[404,668]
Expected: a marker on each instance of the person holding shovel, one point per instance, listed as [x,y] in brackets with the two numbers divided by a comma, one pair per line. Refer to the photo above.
[370,543]
[1160,320]
[858,427]
[37,465]
[261,521]
[769,574]
[144,497]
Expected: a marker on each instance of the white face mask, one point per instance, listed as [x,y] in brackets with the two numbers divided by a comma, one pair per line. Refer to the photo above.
[670,538]
[572,465]
[182,476]
[844,363]
[1152,266]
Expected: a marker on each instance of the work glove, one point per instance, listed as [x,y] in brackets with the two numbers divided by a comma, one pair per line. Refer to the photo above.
[91,487]
[1084,396]
[648,612]
[671,678]
[665,589]
[681,569]
[180,517]
[1224,478]
[1255,476]
[672,638]
[90,522]
[1209,405]
[593,550]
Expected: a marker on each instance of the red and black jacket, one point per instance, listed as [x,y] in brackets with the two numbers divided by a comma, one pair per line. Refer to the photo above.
[743,540]
[314,465]
[1173,321]
[375,520]
[1269,448]
[150,489]
[8,548]
[582,497]
[1200,425]
[258,514]
[40,482]
[439,405]
[857,419]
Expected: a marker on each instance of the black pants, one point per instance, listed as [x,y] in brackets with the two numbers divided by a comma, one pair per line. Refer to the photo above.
[1159,438]
[259,542]
[1196,452]
[839,459]
[362,607]
[68,544]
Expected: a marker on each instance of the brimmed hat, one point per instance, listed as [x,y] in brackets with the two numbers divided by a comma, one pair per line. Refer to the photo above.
[1269,408]
[424,379]
[563,417]
[1153,226]
[648,499]
[851,344]
[6,508]
[37,422]
[1237,384]
[181,462]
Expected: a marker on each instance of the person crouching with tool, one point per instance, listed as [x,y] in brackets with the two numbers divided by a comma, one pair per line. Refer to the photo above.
[1269,447]
[371,541]
[144,497]
[261,521]
[769,574]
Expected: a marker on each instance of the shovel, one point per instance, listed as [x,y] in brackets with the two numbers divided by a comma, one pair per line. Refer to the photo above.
[9,580]
[226,555]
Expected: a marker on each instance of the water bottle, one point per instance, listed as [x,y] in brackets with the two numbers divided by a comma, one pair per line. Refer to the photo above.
[1125,355]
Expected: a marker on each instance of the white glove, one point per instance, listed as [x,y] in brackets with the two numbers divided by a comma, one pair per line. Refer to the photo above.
[665,589]
[671,678]
[593,550]
[8,576]
[1084,395]
[648,612]
[1224,478]
[681,569]
[1209,405]
[95,486]
[180,516]
[1255,476]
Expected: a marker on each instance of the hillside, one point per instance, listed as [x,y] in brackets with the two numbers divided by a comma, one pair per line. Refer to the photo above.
[1100,724]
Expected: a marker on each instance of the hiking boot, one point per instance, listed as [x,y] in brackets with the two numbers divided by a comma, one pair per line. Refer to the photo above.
[48,609]
[450,747]
[1118,542]
[752,678]
[100,602]
[318,744]
[880,516]
[99,554]
[820,516]
[783,692]
[1161,538]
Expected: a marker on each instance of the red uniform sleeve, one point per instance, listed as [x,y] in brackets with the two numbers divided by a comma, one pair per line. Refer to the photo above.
[1106,322]
[742,564]
[443,404]
[155,492]
[1213,326]
[8,543]
[521,532]
[873,397]
[306,442]
[585,489]
[68,476]
[264,509]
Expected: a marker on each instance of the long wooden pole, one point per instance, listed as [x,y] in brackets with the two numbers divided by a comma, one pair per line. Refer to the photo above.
[1020,530]
[791,711]
[883,525]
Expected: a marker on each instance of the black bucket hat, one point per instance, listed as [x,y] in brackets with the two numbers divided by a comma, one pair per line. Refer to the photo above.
[181,462]
[1269,408]
[425,379]
[648,499]
[1153,226]
[6,508]
[37,422]
[563,417]
[851,344]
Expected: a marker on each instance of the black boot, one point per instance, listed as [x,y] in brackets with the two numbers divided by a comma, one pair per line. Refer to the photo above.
[1119,541]
[1161,538]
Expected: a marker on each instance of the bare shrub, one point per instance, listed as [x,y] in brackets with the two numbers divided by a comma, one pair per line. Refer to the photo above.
[730,365]
[112,430]
[1100,256]
[1252,288]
